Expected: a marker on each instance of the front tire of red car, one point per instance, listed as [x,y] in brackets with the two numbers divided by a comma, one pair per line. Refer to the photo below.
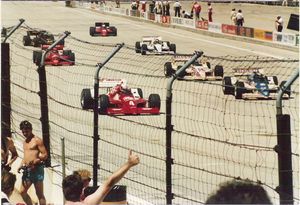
[154,101]
[103,104]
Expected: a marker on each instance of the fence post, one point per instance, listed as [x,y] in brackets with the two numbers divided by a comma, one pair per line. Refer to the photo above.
[44,98]
[96,114]
[5,84]
[5,90]
[169,127]
[283,147]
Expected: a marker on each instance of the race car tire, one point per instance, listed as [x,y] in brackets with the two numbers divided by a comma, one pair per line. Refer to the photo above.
[219,71]
[168,44]
[144,49]
[37,57]
[103,104]
[173,47]
[72,58]
[154,101]
[67,52]
[92,31]
[239,90]
[36,42]
[275,80]
[114,31]
[137,47]
[26,40]
[86,100]
[168,70]
[228,88]
[288,89]
[140,92]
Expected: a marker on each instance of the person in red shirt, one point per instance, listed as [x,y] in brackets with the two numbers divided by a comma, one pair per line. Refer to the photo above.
[196,10]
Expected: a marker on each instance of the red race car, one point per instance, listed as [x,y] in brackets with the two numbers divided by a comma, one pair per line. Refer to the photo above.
[121,100]
[103,29]
[57,56]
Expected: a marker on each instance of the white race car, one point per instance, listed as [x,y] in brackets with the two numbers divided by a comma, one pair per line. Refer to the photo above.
[199,70]
[154,45]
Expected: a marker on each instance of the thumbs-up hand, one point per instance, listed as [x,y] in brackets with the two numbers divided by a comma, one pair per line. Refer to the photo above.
[133,159]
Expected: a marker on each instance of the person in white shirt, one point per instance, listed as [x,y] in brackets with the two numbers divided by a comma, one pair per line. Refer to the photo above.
[239,18]
[177,7]
[8,181]
[279,24]
[233,16]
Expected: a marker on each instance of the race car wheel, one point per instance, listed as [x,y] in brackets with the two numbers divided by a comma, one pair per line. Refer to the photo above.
[144,49]
[72,58]
[154,101]
[228,88]
[288,89]
[36,42]
[37,57]
[114,31]
[140,92]
[92,31]
[168,70]
[239,90]
[173,47]
[275,80]
[137,47]
[103,104]
[86,100]
[168,44]
[219,71]
[26,40]
[67,52]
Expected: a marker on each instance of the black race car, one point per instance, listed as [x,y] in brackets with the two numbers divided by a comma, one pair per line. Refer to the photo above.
[38,38]
[103,29]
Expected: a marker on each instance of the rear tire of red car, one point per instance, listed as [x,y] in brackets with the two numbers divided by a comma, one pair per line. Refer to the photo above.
[219,71]
[168,70]
[137,47]
[86,100]
[26,40]
[114,31]
[154,101]
[92,31]
[144,49]
[37,57]
[173,47]
[103,104]
[72,58]
[228,88]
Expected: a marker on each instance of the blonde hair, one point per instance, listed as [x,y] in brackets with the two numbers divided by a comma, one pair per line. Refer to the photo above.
[84,174]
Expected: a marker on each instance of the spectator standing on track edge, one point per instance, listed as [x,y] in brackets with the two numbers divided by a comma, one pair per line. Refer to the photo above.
[32,164]
[209,12]
[196,9]
[118,3]
[166,8]
[177,8]
[239,18]
[279,24]
[233,16]
[72,185]
[8,148]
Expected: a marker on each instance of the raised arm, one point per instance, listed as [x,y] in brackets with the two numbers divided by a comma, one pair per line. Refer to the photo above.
[98,196]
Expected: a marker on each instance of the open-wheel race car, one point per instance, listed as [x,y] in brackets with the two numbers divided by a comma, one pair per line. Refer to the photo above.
[254,86]
[103,29]
[154,45]
[56,57]
[38,38]
[199,70]
[121,100]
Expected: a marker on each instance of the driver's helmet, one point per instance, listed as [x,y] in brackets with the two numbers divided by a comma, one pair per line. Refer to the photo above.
[103,25]
[156,41]
[123,85]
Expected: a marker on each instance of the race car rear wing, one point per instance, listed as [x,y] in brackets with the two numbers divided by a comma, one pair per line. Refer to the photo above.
[97,24]
[182,57]
[246,71]
[109,83]
[34,32]
[57,47]
[150,38]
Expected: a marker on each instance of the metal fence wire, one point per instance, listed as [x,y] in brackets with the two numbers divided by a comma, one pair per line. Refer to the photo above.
[215,138]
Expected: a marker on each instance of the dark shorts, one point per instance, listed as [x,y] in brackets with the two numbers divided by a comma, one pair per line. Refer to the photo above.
[34,175]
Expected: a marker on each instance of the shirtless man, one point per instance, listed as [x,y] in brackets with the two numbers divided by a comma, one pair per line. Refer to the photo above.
[32,164]
[73,185]
[7,148]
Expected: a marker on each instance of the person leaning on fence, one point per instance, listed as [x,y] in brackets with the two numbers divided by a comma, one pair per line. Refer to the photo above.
[9,153]
[186,15]
[279,24]
[72,185]
[239,18]
[177,8]
[8,181]
[239,192]
[32,164]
